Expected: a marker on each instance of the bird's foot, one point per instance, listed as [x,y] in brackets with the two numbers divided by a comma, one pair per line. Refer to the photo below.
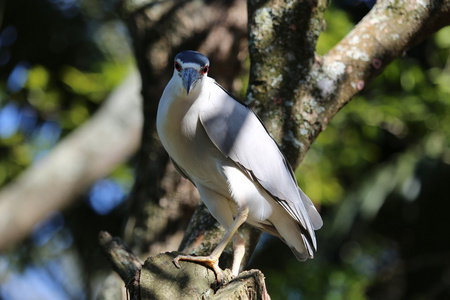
[209,261]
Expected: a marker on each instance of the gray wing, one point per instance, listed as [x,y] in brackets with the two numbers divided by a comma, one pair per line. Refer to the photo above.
[180,170]
[241,136]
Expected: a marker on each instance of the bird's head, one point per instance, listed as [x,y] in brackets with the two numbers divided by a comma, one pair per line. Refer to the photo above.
[191,67]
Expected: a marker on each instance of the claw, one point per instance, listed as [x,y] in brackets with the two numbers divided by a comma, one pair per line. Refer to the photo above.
[212,261]
[208,261]
[176,262]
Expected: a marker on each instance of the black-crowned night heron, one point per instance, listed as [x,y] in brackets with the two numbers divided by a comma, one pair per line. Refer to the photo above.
[223,148]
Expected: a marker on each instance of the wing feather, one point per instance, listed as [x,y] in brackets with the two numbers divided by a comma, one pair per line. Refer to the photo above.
[240,135]
[180,170]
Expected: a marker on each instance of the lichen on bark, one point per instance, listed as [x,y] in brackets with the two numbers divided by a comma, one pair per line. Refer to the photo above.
[282,39]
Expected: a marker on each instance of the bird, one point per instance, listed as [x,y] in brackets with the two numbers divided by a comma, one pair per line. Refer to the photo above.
[220,145]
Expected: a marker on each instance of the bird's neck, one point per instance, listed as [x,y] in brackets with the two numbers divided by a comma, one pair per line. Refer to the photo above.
[175,102]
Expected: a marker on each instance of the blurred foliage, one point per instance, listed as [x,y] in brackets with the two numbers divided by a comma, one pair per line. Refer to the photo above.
[58,61]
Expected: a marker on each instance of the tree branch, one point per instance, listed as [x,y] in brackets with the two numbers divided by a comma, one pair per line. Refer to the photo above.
[123,261]
[383,35]
[282,40]
[87,154]
[160,279]
[297,92]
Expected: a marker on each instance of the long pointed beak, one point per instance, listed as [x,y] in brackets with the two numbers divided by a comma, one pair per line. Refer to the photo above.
[189,76]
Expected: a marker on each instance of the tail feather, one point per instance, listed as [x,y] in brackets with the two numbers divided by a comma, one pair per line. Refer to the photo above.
[313,214]
[297,232]
[305,247]
[294,235]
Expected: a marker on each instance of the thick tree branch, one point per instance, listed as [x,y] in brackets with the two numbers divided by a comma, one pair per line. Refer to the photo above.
[297,96]
[282,40]
[87,154]
[383,35]
[123,261]
[160,279]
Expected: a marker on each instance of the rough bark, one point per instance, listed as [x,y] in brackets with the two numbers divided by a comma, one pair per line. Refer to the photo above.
[73,165]
[297,92]
[294,90]
[160,279]
[123,261]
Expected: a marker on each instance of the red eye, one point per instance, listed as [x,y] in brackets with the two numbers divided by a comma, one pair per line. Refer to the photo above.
[205,70]
[177,66]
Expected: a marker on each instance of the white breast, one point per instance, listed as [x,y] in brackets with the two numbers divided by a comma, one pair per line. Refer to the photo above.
[184,138]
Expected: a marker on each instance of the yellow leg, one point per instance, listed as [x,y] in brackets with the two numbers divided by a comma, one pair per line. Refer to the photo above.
[212,260]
